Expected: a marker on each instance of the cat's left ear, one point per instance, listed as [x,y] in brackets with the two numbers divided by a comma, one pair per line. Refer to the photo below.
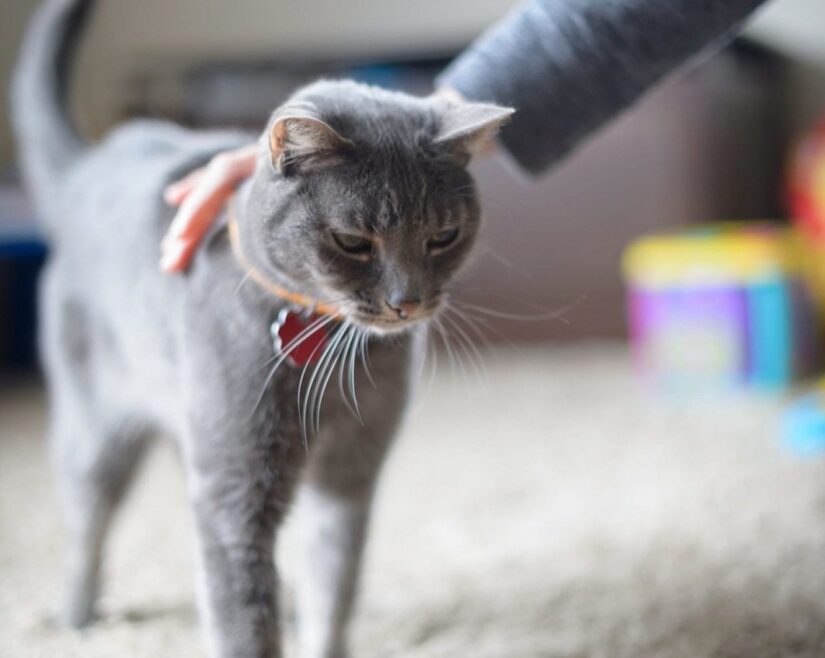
[468,129]
[300,140]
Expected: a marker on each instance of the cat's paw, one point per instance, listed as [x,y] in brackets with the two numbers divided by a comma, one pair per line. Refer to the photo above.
[337,652]
[77,612]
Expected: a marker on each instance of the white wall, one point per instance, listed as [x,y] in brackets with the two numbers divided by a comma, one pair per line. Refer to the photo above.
[797,28]
[130,37]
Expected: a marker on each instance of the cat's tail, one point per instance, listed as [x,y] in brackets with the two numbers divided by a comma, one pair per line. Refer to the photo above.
[47,140]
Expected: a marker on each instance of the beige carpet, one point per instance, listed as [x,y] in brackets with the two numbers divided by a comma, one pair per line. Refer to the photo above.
[560,512]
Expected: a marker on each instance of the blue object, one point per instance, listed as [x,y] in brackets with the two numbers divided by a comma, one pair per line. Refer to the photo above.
[22,252]
[803,426]
[771,329]
[21,258]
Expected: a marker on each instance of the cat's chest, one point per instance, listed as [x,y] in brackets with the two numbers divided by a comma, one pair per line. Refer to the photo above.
[331,371]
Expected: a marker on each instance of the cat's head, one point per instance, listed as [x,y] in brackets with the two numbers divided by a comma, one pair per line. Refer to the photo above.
[362,198]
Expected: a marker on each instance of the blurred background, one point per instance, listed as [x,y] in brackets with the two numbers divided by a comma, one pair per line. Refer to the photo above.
[644,476]
[709,145]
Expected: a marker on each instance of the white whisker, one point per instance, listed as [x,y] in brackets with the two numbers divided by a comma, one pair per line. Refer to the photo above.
[454,362]
[323,382]
[468,348]
[471,323]
[240,285]
[365,357]
[305,333]
[304,407]
[293,344]
[352,348]
[342,370]
[556,314]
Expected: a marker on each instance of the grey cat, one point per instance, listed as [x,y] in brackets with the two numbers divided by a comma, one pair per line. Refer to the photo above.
[360,201]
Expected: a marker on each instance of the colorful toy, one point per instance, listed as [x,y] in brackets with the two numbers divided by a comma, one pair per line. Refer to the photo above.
[806,184]
[721,306]
[806,198]
[803,424]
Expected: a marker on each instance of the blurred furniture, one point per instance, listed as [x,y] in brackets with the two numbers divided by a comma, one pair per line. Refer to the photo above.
[22,253]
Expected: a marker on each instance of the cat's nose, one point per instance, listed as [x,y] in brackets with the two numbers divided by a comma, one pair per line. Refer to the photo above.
[404,308]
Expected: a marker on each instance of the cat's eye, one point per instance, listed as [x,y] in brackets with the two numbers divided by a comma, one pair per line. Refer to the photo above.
[353,244]
[442,240]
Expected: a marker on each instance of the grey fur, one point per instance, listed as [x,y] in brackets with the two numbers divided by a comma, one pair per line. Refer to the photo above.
[130,352]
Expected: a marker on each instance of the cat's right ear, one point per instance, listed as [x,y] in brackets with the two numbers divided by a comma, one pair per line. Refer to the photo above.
[467,129]
[300,141]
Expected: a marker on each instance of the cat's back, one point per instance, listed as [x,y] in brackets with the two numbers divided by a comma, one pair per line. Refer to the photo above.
[118,184]
[109,218]
[109,215]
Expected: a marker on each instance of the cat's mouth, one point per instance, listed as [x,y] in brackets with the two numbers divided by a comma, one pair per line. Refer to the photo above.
[391,319]
[384,325]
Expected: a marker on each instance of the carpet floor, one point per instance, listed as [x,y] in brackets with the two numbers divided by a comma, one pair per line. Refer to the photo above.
[556,510]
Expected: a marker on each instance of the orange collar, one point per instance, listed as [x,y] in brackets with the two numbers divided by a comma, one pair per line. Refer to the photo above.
[265,282]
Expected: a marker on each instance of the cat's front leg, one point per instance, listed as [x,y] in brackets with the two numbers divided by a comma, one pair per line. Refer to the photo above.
[239,489]
[236,584]
[332,509]
[331,534]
